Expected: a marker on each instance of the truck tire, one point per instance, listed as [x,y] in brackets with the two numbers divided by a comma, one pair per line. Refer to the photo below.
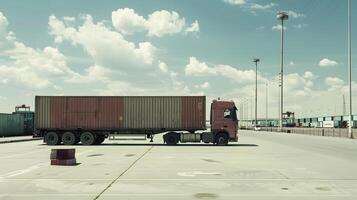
[100,139]
[87,138]
[171,138]
[69,138]
[221,139]
[52,138]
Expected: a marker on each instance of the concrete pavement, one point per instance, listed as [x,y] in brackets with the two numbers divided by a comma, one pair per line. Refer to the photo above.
[17,139]
[260,166]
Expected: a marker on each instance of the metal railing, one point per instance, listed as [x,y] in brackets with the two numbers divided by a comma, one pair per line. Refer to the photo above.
[330,132]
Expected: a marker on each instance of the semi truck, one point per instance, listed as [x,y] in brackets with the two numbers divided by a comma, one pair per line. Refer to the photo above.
[91,119]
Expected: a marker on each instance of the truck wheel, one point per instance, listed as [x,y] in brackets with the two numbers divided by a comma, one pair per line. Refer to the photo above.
[171,138]
[87,138]
[69,138]
[221,139]
[52,138]
[100,139]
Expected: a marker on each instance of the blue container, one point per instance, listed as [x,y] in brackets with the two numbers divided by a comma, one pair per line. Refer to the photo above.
[11,124]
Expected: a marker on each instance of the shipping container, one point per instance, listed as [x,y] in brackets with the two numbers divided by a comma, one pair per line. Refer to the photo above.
[135,112]
[11,124]
[28,118]
[74,116]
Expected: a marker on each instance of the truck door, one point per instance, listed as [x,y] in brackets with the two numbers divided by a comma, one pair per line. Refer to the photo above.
[230,122]
[223,119]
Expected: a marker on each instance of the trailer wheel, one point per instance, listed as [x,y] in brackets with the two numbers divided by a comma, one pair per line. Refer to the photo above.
[100,139]
[171,138]
[221,139]
[87,138]
[52,138]
[69,138]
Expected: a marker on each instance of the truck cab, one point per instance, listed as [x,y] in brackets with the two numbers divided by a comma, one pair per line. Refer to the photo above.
[224,121]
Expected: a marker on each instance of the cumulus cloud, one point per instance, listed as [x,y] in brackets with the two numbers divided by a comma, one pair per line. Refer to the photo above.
[115,58]
[107,48]
[334,83]
[204,85]
[252,7]
[163,67]
[255,6]
[69,19]
[309,75]
[113,71]
[194,28]
[325,62]
[127,21]
[294,14]
[28,67]
[278,27]
[235,2]
[3,23]
[199,68]
[157,24]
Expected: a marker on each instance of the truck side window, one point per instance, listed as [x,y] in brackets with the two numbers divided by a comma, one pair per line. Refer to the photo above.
[227,113]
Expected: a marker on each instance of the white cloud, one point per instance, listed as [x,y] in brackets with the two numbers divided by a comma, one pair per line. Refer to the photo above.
[204,85]
[292,63]
[164,22]
[28,67]
[69,19]
[3,24]
[235,2]
[325,62]
[127,21]
[309,75]
[108,48]
[278,27]
[334,83]
[158,23]
[197,68]
[115,58]
[194,28]
[163,67]
[255,6]
[295,14]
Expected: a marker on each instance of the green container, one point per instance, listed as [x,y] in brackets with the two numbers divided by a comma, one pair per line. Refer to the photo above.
[11,124]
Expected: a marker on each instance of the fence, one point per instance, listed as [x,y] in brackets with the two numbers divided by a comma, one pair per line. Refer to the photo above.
[331,132]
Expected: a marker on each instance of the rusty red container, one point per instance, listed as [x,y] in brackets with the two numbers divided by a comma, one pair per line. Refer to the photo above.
[120,112]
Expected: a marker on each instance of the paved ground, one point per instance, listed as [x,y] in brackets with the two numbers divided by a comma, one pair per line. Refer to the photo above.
[260,166]
[16,139]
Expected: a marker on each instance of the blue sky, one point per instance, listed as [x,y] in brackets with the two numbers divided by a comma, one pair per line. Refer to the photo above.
[175,48]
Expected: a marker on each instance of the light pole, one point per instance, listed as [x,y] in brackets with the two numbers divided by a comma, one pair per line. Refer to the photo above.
[350,69]
[256,60]
[282,16]
[266,107]
[242,111]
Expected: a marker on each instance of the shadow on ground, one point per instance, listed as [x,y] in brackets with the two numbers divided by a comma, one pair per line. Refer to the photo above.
[155,144]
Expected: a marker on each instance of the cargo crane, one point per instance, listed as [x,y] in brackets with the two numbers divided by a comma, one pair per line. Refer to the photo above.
[92,119]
